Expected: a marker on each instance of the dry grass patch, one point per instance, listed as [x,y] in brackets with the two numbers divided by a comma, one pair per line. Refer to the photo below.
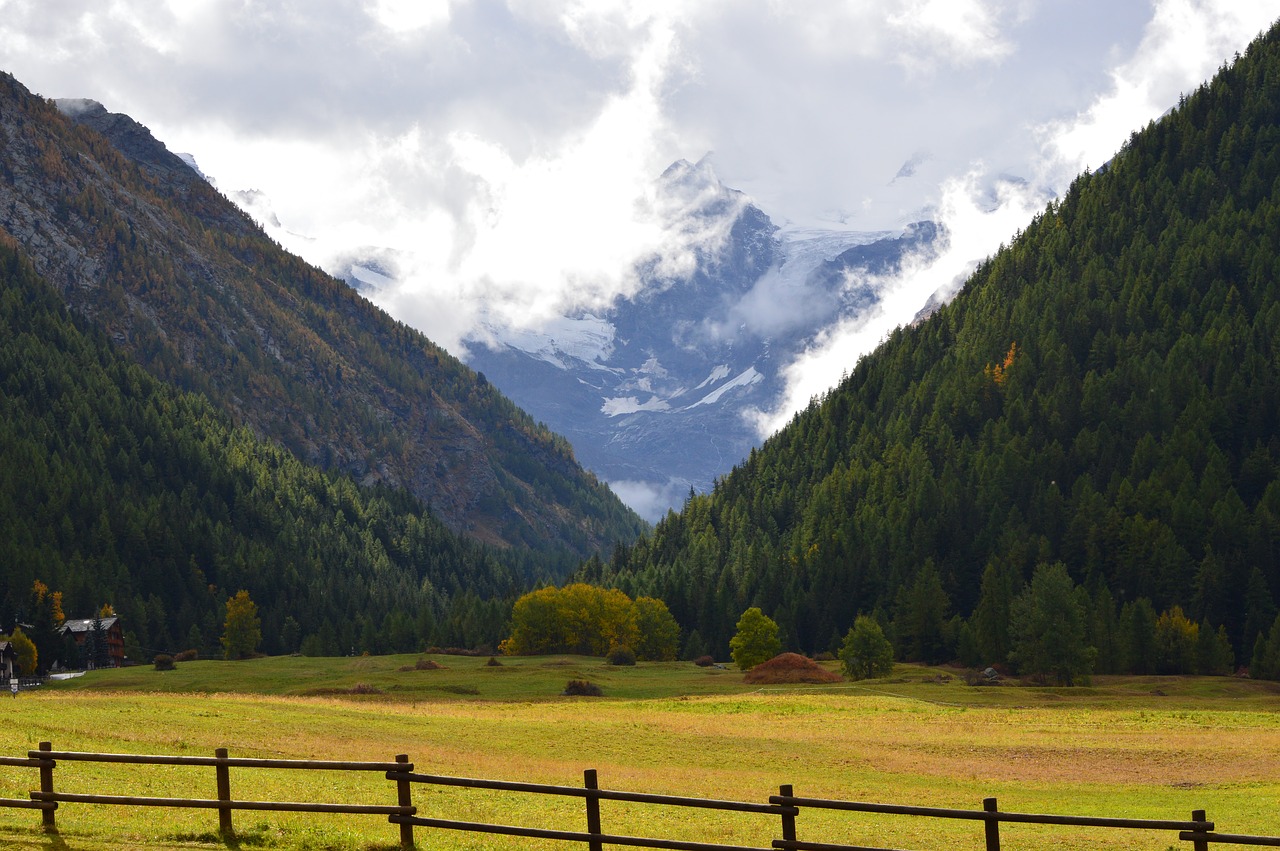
[422,665]
[790,668]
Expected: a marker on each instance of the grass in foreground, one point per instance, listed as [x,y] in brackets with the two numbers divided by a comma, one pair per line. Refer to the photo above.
[1155,748]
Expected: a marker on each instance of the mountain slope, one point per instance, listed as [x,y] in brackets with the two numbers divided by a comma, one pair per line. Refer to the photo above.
[658,391]
[1104,392]
[190,287]
[116,488]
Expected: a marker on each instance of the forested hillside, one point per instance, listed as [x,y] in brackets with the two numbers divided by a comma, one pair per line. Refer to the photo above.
[189,287]
[1104,392]
[116,489]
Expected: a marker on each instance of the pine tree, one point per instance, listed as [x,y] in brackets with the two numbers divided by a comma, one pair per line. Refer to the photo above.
[1047,628]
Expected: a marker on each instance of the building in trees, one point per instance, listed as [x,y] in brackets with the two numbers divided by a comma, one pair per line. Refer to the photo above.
[8,662]
[100,641]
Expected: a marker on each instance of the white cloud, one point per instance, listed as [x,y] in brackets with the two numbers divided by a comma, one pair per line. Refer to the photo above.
[403,17]
[962,31]
[975,224]
[506,150]
[1184,44]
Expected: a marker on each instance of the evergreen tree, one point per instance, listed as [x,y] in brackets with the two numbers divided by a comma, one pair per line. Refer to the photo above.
[1214,656]
[990,620]
[866,653]
[1047,628]
[920,622]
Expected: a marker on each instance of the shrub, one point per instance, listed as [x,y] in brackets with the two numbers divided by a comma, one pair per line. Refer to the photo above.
[187,655]
[493,662]
[789,668]
[582,688]
[423,665]
[704,661]
[164,662]
[620,654]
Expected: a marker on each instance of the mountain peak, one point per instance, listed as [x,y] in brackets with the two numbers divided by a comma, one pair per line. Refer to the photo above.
[129,137]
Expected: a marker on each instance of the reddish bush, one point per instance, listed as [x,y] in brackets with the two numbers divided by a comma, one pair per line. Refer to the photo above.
[790,668]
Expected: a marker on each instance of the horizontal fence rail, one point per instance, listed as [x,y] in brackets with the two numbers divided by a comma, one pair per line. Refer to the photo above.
[594,836]
[990,814]
[785,806]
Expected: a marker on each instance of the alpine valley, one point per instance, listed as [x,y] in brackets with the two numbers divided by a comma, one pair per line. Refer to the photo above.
[662,391]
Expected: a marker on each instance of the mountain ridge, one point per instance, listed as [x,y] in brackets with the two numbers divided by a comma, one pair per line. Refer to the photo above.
[1104,392]
[187,283]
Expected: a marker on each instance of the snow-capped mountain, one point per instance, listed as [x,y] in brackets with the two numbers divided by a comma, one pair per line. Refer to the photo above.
[654,393]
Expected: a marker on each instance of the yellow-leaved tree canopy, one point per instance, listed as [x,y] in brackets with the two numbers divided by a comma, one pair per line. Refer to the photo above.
[587,620]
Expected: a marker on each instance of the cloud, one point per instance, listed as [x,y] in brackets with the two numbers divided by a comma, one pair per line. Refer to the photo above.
[977,215]
[962,31]
[1182,45]
[651,501]
[504,152]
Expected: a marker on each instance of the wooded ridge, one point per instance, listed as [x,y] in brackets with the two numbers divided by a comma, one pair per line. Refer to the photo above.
[188,286]
[1104,392]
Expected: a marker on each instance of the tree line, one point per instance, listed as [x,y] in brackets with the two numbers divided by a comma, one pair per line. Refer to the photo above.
[117,489]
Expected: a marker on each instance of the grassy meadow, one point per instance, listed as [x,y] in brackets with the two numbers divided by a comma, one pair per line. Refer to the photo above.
[1134,747]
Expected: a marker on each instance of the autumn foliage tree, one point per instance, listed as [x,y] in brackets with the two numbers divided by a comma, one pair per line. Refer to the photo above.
[242,630]
[26,650]
[756,640]
[587,620]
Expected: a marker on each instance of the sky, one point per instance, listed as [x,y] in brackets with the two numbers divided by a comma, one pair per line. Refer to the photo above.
[506,151]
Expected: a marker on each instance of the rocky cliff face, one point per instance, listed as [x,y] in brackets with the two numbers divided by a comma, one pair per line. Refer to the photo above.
[188,285]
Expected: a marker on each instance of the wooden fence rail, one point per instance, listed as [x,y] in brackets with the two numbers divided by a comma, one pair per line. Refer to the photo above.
[785,806]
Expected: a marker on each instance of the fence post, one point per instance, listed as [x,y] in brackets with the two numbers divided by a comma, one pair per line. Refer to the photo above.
[593,809]
[993,825]
[224,794]
[1200,844]
[404,799]
[788,820]
[46,786]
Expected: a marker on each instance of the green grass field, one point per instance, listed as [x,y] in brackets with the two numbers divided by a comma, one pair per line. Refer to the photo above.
[1132,747]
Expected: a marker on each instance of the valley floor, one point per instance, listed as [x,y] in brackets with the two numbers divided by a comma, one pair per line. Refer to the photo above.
[1126,747]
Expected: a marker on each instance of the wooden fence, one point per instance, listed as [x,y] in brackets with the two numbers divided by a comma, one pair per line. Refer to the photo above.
[786,807]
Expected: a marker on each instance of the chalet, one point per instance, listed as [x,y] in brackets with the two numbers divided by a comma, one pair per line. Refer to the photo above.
[8,662]
[80,630]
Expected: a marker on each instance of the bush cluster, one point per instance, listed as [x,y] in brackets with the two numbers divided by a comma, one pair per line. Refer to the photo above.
[582,688]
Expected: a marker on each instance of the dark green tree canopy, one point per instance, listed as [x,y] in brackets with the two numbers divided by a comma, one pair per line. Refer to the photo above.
[866,653]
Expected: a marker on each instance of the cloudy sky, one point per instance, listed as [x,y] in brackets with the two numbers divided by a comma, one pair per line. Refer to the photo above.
[506,149]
